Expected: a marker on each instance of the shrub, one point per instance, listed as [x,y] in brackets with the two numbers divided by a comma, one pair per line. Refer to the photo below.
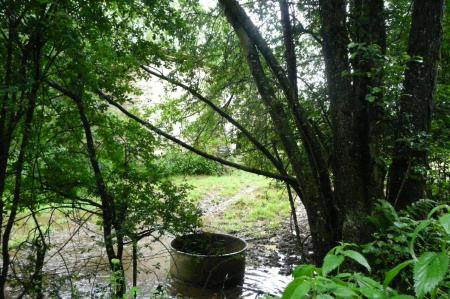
[419,250]
[186,163]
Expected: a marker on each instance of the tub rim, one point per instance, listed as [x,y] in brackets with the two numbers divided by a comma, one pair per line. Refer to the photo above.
[210,255]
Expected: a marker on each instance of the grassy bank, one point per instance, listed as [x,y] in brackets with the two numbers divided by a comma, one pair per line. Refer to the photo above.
[257,206]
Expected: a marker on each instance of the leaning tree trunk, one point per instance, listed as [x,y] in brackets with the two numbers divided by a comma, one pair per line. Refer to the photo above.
[408,170]
[110,221]
[313,185]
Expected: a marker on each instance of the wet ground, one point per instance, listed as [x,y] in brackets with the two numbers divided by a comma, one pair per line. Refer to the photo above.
[76,266]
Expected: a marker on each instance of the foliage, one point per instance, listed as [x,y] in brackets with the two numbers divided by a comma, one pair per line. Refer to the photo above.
[186,163]
[408,254]
[90,46]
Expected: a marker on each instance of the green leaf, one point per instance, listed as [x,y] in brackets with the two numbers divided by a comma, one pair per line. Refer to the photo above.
[391,274]
[331,262]
[371,98]
[422,225]
[324,296]
[371,293]
[343,291]
[403,297]
[304,270]
[376,89]
[445,222]
[357,257]
[296,289]
[364,281]
[429,271]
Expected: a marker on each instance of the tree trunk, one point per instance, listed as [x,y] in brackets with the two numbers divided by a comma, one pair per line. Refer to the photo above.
[35,46]
[408,170]
[370,32]
[108,207]
[322,216]
[346,113]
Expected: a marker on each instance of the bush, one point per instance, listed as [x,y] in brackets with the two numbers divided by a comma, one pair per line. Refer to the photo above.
[418,249]
[187,163]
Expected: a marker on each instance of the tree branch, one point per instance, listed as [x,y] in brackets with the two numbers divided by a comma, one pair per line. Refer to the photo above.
[289,47]
[221,112]
[191,148]
[238,17]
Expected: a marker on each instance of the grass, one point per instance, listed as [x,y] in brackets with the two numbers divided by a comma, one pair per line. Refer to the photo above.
[226,185]
[258,213]
[256,216]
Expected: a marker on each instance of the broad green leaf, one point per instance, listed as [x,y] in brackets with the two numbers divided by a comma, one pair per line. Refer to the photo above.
[357,257]
[343,291]
[376,89]
[445,222]
[304,270]
[331,262]
[369,287]
[301,291]
[372,293]
[324,296]
[402,297]
[343,275]
[364,281]
[371,98]
[296,289]
[391,274]
[429,271]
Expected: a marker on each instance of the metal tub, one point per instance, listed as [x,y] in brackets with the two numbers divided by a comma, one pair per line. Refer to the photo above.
[208,260]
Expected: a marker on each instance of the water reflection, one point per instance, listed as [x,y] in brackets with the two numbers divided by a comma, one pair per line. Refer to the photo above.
[258,282]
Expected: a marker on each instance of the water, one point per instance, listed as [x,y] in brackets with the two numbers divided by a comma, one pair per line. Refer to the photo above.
[258,282]
[81,265]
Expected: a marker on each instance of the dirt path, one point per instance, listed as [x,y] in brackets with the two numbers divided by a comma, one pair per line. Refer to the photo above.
[214,204]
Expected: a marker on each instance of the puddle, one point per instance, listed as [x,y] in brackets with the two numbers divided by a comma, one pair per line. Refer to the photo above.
[258,282]
[83,259]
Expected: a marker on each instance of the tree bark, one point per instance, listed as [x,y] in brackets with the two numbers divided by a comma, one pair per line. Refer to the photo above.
[369,30]
[346,112]
[409,166]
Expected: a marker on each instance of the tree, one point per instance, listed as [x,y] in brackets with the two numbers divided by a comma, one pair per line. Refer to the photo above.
[60,146]
[337,171]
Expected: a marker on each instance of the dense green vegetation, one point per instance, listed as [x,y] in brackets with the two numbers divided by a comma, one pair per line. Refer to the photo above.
[182,163]
[107,109]
[410,252]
